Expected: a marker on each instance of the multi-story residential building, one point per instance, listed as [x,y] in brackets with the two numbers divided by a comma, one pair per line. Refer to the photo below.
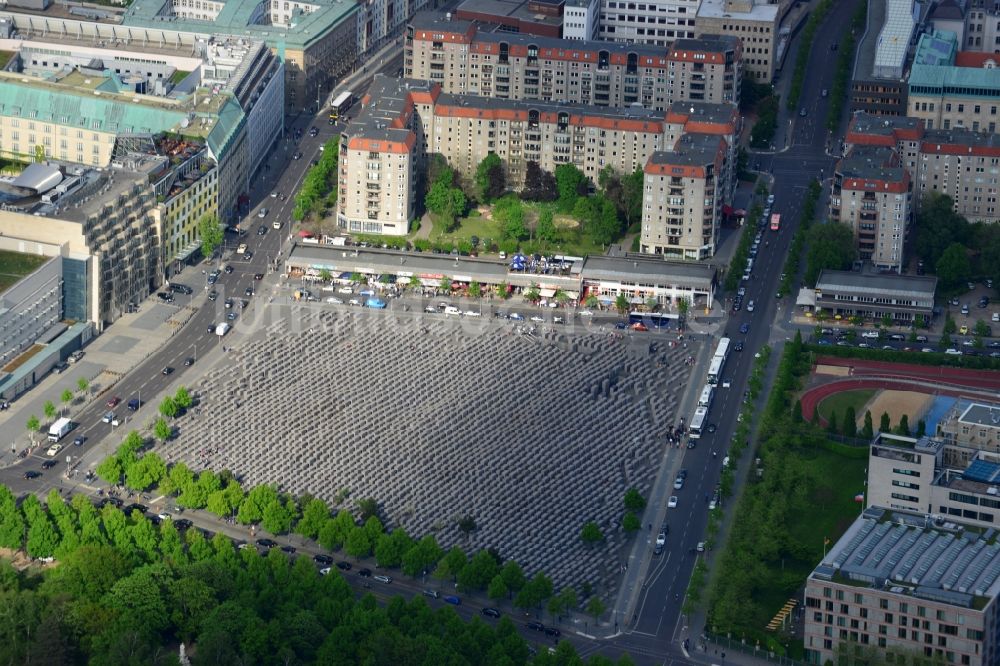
[958,163]
[581,19]
[949,89]
[403,121]
[465,59]
[970,427]
[870,193]
[657,22]
[898,584]
[106,221]
[754,22]
[982,26]
[316,40]
[682,202]
[873,296]
[92,105]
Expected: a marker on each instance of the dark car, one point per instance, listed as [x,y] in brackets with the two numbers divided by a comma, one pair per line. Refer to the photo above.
[212,295]
[297,156]
[189,361]
[248,256]
[323,559]
[452,599]
[113,402]
[141,508]
[32,474]
[365,573]
[536,626]
[344,566]
[288,549]
[744,328]
[78,441]
[211,330]
[738,346]
[49,464]
[182,523]
[712,428]
[490,612]
[134,404]
[228,303]
[248,292]
[683,473]
[167,370]
[258,276]
[621,326]
[266,543]
[261,230]
[552,631]
[228,269]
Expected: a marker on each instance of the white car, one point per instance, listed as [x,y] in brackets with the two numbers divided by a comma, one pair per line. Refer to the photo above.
[471,313]
[672,502]
[953,352]
[53,450]
[586,313]
[661,539]
[725,461]
[334,300]
[869,334]
[345,290]
[536,318]
[712,505]
[241,249]
[678,483]
[750,306]
[700,547]
[354,301]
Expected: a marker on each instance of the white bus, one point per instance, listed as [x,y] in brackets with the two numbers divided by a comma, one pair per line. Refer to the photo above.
[707,394]
[715,370]
[722,351]
[697,423]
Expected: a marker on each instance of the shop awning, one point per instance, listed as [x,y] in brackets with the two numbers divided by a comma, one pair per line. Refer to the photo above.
[546,293]
[572,295]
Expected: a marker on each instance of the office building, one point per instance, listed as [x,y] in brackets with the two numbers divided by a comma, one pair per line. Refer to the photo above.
[952,162]
[467,59]
[581,19]
[949,89]
[654,22]
[878,82]
[969,427]
[870,193]
[541,18]
[402,122]
[754,22]
[903,298]
[900,584]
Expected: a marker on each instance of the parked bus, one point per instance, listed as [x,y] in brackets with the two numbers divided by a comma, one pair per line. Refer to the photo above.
[697,423]
[775,221]
[722,350]
[341,104]
[715,370]
[707,393]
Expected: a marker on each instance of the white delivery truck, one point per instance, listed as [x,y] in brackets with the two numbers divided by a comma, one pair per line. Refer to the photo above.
[59,429]
[222,329]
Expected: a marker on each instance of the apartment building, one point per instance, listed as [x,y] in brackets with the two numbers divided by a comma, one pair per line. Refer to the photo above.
[403,121]
[467,59]
[754,22]
[899,585]
[682,202]
[950,89]
[656,22]
[581,19]
[871,193]
[982,26]
[959,163]
[968,427]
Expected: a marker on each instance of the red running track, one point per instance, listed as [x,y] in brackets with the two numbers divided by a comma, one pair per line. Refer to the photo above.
[865,374]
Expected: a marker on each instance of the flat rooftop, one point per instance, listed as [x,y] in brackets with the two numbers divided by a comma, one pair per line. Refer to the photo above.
[648,269]
[509,9]
[909,555]
[717,9]
[981,414]
[866,123]
[871,162]
[867,283]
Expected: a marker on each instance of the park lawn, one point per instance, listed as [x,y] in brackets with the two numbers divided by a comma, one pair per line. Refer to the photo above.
[488,231]
[15,265]
[839,402]
[475,225]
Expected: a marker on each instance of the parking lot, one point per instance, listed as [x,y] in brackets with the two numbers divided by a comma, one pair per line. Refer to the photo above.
[530,430]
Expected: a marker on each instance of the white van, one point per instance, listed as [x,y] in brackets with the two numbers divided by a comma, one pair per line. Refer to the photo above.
[452,310]
[276,224]
[869,334]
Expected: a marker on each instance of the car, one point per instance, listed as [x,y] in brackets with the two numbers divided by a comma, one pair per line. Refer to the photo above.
[823,93]
[471,313]
[113,402]
[452,599]
[189,361]
[661,538]
[983,302]
[297,156]
[135,506]
[672,502]
[490,612]
[322,559]
[228,303]
[262,213]
[639,326]
[382,578]
[951,351]
[963,330]
[433,594]
[242,248]
[266,543]
[700,547]
[182,523]
[248,256]
[713,504]
[535,626]
[232,316]
[167,370]
[248,292]
[725,461]
[921,338]
[134,404]
[965,308]
[586,313]
[32,474]
[60,367]
[536,319]
[165,297]
[344,566]
[802,112]
[711,428]
[288,549]
[354,301]
[227,269]
[79,441]
[744,328]
[334,300]
[212,295]
[750,306]
[621,326]
[869,334]
[258,276]
[108,417]
[274,195]
[516,316]
[48,464]
[552,631]
[365,573]
[261,230]
[738,346]
[678,483]
[348,290]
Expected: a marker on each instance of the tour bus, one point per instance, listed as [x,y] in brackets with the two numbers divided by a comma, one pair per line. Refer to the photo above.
[697,423]
[707,393]
[340,105]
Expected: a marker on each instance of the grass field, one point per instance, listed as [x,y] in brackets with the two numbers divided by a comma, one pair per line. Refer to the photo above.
[488,231]
[839,402]
[15,265]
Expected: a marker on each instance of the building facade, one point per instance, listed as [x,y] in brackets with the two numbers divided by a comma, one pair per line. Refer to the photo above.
[901,297]
[982,26]
[870,192]
[656,22]
[581,19]
[467,60]
[897,585]
[29,308]
[754,22]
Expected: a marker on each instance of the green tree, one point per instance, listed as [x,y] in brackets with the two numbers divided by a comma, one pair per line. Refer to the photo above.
[146,472]
[631,522]
[325,275]
[831,423]
[422,556]
[829,246]
[950,328]
[595,608]
[168,407]
[634,501]
[82,384]
[571,184]
[278,516]
[66,397]
[938,227]
[477,574]
[315,513]
[33,425]
[621,304]
[797,412]
[563,603]
[475,289]
[49,409]
[490,180]
[210,233]
[451,564]
[981,329]
[868,431]
[258,499]
[883,424]
[358,543]
[591,533]
[545,229]
[497,589]
[850,427]
[904,425]
[12,525]
[921,429]
[953,268]
[539,184]
[183,398]
[392,547]
[162,430]
[367,508]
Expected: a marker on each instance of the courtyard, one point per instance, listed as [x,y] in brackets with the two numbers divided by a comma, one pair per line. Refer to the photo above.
[531,431]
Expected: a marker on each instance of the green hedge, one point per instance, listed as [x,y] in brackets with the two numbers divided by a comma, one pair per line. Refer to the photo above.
[917,357]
